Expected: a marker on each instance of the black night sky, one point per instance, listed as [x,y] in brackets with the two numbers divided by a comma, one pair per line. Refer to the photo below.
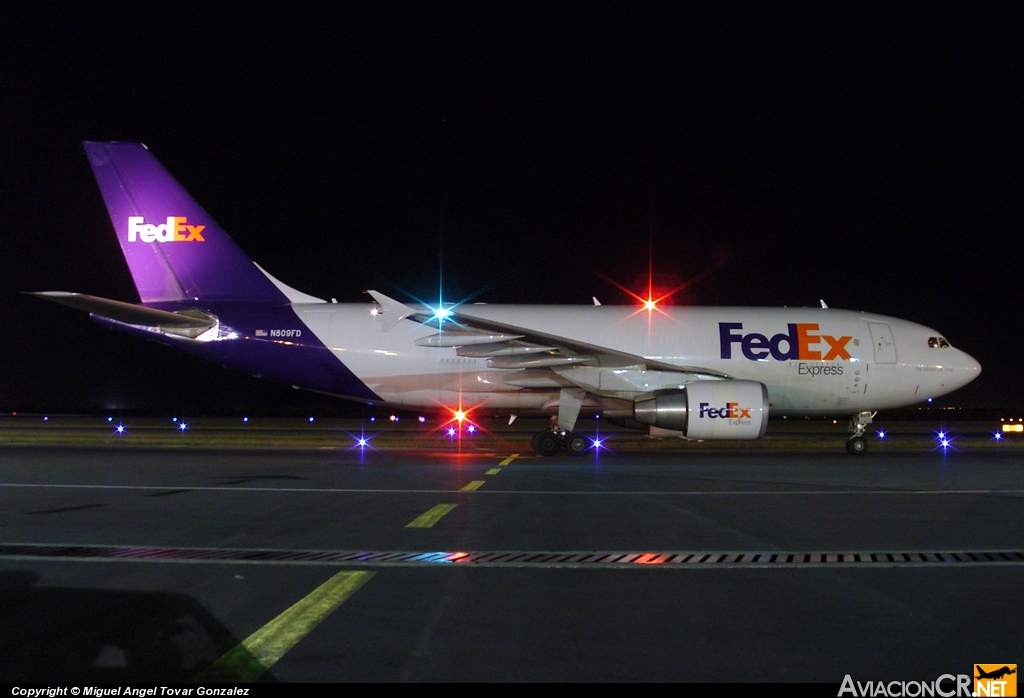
[860,153]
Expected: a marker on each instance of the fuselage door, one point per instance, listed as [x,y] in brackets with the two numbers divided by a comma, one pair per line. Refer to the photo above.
[885,346]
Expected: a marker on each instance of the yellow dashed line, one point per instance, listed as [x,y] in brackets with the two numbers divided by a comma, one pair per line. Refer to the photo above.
[509,459]
[261,650]
[431,517]
[475,485]
[493,471]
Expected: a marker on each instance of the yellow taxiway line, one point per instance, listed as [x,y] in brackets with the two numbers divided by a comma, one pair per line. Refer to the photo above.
[430,517]
[261,650]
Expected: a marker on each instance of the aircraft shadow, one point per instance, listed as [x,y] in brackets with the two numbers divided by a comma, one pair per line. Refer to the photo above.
[62,635]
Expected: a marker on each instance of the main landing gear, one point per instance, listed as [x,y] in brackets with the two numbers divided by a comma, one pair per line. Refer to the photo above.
[857,444]
[551,443]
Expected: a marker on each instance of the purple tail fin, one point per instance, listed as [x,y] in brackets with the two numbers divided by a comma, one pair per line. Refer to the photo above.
[174,249]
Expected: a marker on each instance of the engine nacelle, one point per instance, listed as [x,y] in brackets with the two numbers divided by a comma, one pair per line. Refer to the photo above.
[709,409]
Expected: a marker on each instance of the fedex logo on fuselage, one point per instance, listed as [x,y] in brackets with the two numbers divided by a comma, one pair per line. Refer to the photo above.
[174,230]
[800,343]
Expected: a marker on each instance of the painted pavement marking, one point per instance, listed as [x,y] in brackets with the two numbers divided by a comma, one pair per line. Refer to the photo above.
[430,517]
[261,650]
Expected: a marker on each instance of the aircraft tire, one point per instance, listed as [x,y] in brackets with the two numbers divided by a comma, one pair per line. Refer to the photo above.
[857,445]
[547,443]
[576,444]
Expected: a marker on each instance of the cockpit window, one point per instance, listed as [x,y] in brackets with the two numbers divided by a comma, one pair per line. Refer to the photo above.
[937,342]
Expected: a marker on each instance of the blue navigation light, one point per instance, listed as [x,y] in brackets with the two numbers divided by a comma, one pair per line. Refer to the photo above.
[245,419]
[311,419]
[997,436]
[373,419]
[451,431]
[945,443]
[881,434]
[472,429]
[597,443]
[46,419]
[110,419]
[942,435]
[119,429]
[174,419]
[183,426]
[361,442]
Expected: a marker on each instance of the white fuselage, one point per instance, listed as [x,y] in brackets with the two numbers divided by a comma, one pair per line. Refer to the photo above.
[847,361]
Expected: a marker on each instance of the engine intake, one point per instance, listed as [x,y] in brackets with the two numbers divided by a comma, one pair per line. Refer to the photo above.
[708,409]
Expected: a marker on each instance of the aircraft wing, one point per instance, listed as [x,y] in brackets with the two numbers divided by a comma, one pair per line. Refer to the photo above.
[513,347]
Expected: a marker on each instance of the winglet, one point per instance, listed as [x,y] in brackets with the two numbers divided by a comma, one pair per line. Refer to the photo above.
[394,311]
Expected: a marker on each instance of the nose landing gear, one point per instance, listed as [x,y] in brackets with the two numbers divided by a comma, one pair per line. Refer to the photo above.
[857,444]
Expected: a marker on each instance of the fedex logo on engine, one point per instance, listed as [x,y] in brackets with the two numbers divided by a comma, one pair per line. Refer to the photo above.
[794,345]
[174,230]
[732,410]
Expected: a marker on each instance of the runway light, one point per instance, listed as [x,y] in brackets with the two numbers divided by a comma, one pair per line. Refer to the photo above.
[472,429]
[929,399]
[451,431]
[942,435]
[393,418]
[46,419]
[945,443]
[373,419]
[997,436]
[361,443]
[245,419]
[174,419]
[183,426]
[119,428]
[110,419]
[881,434]
[460,416]
[598,443]
[422,419]
[311,419]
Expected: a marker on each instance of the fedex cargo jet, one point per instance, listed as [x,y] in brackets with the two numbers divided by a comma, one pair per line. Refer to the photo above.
[694,373]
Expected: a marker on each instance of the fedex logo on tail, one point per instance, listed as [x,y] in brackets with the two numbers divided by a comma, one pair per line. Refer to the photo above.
[174,230]
[801,343]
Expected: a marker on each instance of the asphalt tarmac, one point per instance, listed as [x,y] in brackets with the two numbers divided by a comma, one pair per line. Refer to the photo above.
[175,564]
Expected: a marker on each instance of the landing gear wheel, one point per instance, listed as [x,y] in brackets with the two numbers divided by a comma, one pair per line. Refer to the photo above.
[857,445]
[547,443]
[576,444]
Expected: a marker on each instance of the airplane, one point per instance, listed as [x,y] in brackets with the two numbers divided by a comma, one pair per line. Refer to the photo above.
[698,373]
[994,674]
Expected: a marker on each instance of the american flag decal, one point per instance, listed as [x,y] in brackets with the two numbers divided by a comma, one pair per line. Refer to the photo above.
[261,333]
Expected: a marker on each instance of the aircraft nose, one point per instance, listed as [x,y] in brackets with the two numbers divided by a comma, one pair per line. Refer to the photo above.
[967,368]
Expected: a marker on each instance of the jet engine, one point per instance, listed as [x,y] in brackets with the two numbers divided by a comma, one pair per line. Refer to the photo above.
[708,409]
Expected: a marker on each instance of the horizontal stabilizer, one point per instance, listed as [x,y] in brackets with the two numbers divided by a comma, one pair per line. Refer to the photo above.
[128,313]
